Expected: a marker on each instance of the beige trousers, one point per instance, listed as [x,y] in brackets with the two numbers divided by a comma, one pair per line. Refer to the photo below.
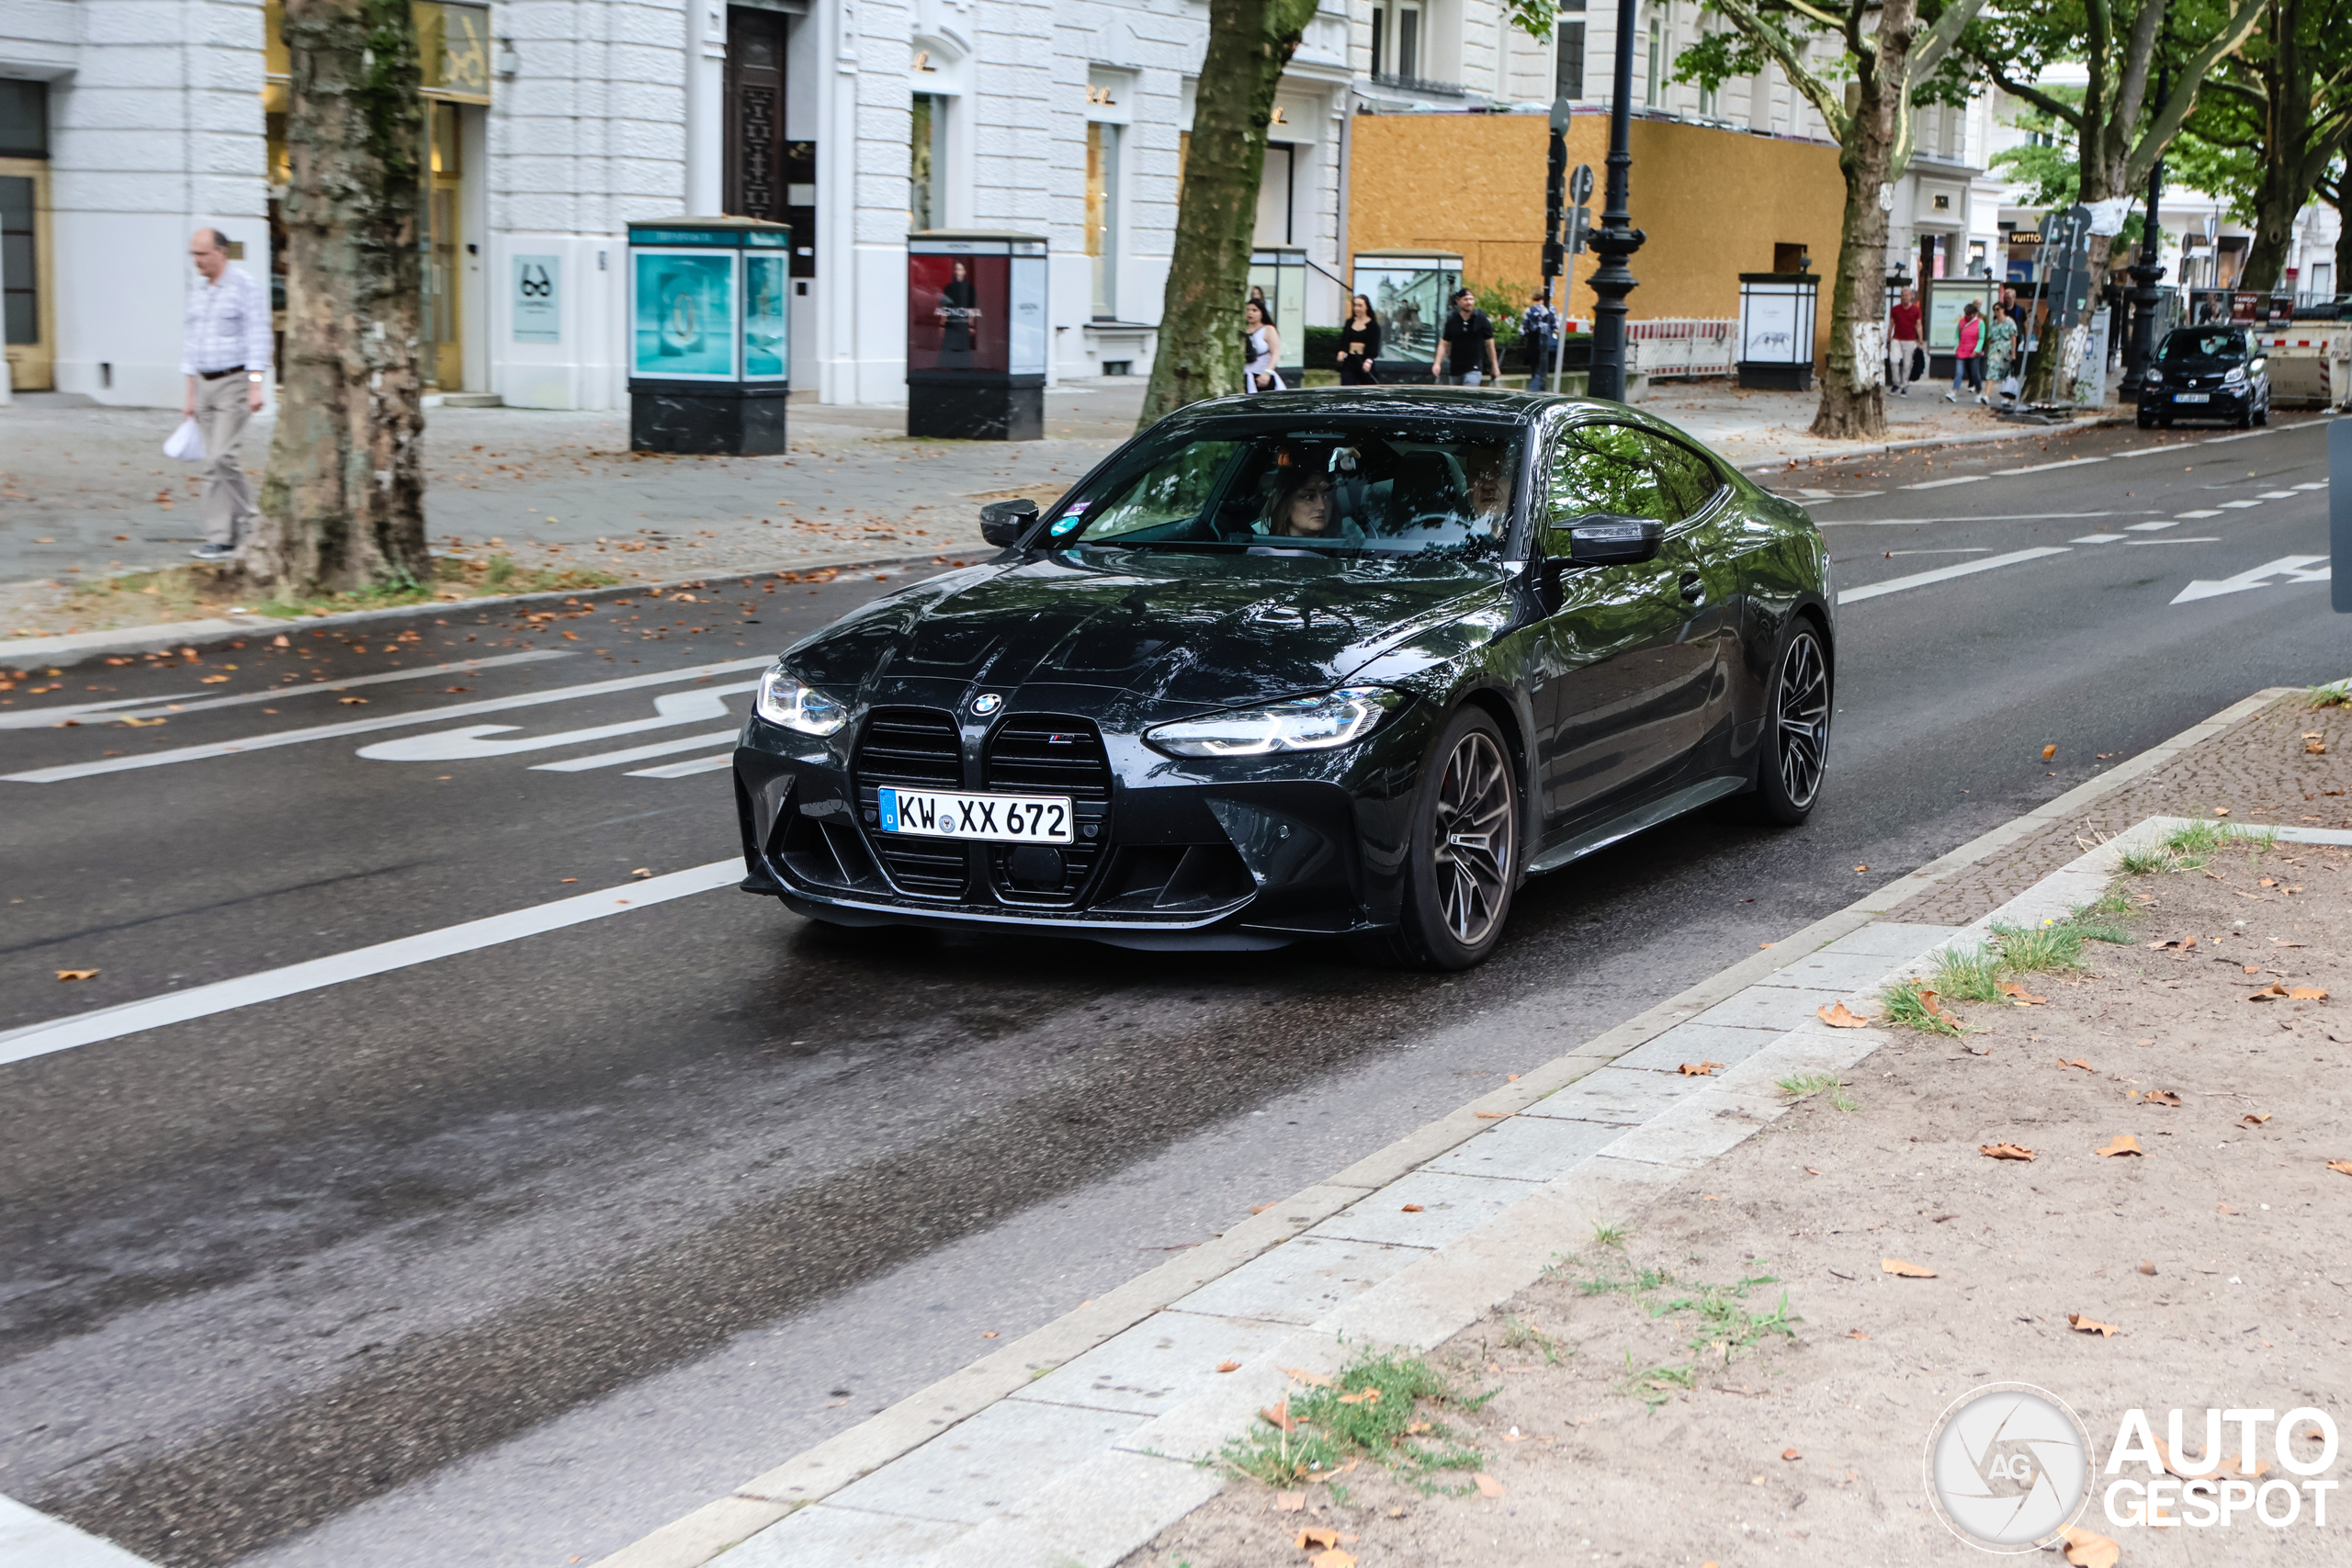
[221,414]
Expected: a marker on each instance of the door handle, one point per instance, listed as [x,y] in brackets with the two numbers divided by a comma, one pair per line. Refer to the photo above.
[1694,589]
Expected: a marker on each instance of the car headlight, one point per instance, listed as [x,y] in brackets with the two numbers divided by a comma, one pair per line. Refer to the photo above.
[2156,377]
[786,699]
[2235,377]
[1295,724]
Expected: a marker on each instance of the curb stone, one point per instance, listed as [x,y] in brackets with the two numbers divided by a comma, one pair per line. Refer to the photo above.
[1928,443]
[1106,1502]
[80,648]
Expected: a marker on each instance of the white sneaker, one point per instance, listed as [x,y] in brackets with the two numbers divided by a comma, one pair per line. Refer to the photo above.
[214,552]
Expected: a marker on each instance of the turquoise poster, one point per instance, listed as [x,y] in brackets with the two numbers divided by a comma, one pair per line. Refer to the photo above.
[767,353]
[685,315]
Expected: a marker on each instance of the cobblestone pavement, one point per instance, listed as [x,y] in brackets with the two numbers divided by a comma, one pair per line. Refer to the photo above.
[2258,770]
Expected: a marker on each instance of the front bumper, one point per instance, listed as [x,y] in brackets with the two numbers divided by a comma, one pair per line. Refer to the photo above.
[2210,402]
[1235,853]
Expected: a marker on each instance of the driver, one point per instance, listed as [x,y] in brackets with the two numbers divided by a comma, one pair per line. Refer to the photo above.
[1302,509]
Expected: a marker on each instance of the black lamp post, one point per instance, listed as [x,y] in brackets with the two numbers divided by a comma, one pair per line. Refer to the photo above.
[2145,277]
[1616,239]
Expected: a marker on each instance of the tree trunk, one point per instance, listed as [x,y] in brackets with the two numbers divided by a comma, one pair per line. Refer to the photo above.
[342,501]
[1198,352]
[1853,391]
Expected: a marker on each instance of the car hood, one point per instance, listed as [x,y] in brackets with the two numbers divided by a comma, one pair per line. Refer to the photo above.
[1190,629]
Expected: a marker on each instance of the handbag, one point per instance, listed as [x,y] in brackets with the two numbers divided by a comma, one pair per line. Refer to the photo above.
[187,443]
[2011,386]
[1919,365]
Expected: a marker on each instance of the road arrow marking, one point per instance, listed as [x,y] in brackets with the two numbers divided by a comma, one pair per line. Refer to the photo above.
[2294,568]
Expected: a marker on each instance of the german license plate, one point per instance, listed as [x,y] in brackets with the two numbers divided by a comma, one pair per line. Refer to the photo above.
[998,818]
[2192,397]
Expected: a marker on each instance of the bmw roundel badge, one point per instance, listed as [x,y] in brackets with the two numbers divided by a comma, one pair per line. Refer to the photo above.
[987,702]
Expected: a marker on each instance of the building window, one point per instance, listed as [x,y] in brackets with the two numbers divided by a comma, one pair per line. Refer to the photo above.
[24,119]
[1567,67]
[1656,75]
[1102,216]
[1396,39]
[927,163]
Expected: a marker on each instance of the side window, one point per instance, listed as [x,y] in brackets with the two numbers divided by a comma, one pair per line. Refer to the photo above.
[1611,468]
[1687,478]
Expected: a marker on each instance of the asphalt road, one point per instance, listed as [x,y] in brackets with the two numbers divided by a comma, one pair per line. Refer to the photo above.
[506,1249]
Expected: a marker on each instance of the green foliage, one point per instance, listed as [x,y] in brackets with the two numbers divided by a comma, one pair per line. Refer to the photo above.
[1503,302]
[1722,1321]
[1970,974]
[1365,1413]
[1717,58]
[1534,17]
[2053,947]
[1802,1085]
[1904,1004]
[2334,694]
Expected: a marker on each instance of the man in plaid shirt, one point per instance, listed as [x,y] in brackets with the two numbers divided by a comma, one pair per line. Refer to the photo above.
[226,361]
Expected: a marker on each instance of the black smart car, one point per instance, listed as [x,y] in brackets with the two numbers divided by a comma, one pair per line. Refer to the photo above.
[1311,664]
[2214,372]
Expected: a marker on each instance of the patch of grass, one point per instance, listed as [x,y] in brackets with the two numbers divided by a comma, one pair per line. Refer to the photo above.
[1905,1005]
[1725,1324]
[1518,1335]
[2051,948]
[1608,1235]
[1972,974]
[1804,1084]
[1842,1101]
[2196,839]
[2145,863]
[1380,1407]
[2334,694]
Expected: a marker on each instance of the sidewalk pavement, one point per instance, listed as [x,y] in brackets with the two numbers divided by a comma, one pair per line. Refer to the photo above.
[1079,1443]
[89,494]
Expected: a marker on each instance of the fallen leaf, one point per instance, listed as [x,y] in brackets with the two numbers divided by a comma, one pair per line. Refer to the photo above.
[1856,1334]
[1279,1415]
[2340,1167]
[210,679]
[2076,1062]
[2271,992]
[643,871]
[2021,996]
[75,974]
[1697,1069]
[1413,1428]
[2003,1151]
[1334,1558]
[2048,752]
[1931,1004]
[1895,1266]
[1291,1502]
[1229,1366]
[1412,1209]
[2087,1549]
[1791,1453]
[2307,993]
[1862,868]
[1300,1374]
[1317,1535]
[2082,1325]
[1838,1015]
[279,641]
[2147,1266]
[1492,1115]
[2315,747]
[2226,1209]
[989,1334]
[2122,1144]
[352,702]
[1260,1208]
[1486,1484]
[2177,944]
[2220,811]
[1813,1170]
[1362,1396]
[2161,1097]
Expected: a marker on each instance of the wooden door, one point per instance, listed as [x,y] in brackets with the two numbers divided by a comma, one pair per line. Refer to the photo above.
[26,307]
[755,182]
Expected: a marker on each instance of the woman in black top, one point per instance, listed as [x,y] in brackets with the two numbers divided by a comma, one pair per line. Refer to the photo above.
[959,320]
[1358,345]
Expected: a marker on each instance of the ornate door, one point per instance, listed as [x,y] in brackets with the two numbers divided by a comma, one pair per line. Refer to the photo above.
[755,150]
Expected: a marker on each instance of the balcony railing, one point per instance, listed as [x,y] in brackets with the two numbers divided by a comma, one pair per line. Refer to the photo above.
[1419,84]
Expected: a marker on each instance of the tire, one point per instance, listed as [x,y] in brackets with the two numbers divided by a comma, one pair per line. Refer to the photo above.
[2262,414]
[1792,758]
[2245,420]
[2147,420]
[1463,863]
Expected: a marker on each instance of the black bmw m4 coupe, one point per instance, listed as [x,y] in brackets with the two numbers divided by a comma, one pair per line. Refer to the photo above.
[1334,663]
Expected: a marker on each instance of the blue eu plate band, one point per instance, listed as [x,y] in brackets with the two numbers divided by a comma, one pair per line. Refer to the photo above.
[890,810]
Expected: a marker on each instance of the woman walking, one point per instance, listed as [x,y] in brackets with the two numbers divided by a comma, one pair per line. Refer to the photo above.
[1262,341]
[1967,368]
[1358,345]
[2001,344]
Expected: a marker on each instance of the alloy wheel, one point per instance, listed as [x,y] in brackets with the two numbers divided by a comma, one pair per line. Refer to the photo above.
[1475,834]
[1802,718]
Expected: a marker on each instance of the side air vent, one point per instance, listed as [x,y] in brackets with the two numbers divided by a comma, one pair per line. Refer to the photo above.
[1050,754]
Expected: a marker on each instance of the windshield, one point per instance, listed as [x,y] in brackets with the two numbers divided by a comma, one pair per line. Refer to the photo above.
[2203,348]
[1433,486]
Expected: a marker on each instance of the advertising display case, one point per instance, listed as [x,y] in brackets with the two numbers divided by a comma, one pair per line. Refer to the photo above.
[1411,291]
[708,335]
[1278,279]
[977,335]
[1946,298]
[1775,316]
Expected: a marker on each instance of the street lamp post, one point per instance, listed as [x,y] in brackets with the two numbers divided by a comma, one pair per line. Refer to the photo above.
[1616,239]
[2144,276]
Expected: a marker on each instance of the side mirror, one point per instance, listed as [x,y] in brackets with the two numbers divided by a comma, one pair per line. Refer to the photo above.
[1005,522]
[1607,539]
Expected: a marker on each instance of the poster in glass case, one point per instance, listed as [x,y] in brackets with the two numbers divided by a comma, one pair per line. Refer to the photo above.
[684,315]
[955,312]
[767,348]
[1025,350]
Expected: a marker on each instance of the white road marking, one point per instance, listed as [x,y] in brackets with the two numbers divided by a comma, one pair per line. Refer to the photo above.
[2278,495]
[1945,574]
[153,708]
[2194,539]
[467,743]
[1955,550]
[2209,512]
[683,770]
[2097,539]
[1808,494]
[2313,484]
[2004,517]
[2045,468]
[32,1539]
[202,1001]
[2153,527]
[2240,435]
[633,754]
[1938,484]
[2240,505]
[2294,568]
[388,721]
[2147,451]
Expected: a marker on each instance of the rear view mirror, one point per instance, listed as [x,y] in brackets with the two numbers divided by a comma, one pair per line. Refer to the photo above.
[1607,539]
[1003,523]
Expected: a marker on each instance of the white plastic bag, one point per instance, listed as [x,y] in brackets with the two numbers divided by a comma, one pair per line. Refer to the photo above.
[187,443]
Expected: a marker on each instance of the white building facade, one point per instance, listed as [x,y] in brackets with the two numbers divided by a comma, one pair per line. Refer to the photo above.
[554,123]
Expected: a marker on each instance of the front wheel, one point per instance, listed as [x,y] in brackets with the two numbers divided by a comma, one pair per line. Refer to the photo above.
[1793,754]
[1464,860]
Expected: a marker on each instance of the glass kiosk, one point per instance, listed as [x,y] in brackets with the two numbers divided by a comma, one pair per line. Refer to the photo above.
[1278,276]
[1411,291]
[1776,311]
[709,353]
[975,335]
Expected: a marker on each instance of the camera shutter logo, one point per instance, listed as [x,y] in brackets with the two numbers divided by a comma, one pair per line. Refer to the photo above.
[2008,1466]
